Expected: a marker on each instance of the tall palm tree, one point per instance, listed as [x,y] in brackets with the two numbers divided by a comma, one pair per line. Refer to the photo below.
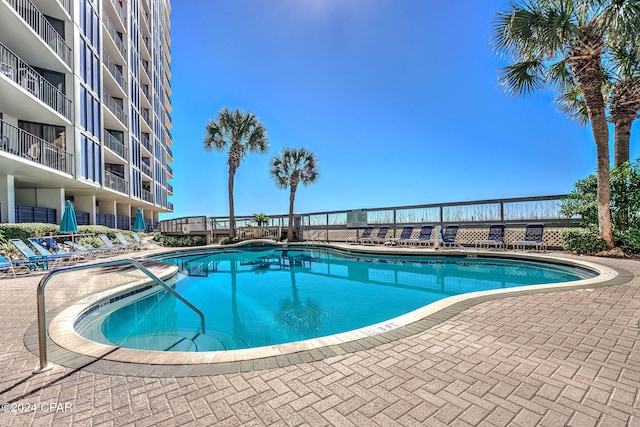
[624,99]
[290,168]
[240,133]
[621,90]
[546,38]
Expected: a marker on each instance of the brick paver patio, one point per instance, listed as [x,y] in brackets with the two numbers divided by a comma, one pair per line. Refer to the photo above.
[551,359]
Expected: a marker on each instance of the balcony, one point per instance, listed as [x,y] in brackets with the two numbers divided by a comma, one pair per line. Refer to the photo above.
[146,169]
[114,71]
[20,143]
[115,182]
[114,36]
[145,90]
[145,141]
[170,188]
[112,143]
[36,20]
[17,70]
[114,107]
[170,170]
[170,206]
[145,116]
[147,196]
[119,11]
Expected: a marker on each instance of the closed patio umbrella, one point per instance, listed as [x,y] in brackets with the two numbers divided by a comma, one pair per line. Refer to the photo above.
[138,222]
[69,223]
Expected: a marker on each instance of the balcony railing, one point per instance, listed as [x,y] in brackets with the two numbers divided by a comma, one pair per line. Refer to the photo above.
[120,11]
[115,182]
[113,69]
[169,205]
[147,196]
[21,73]
[36,20]
[114,35]
[170,170]
[114,107]
[114,145]
[145,141]
[170,188]
[145,168]
[169,151]
[145,66]
[66,4]
[146,42]
[145,90]
[146,21]
[16,141]
[145,116]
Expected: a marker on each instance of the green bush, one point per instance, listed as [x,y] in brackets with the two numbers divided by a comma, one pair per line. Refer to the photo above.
[9,251]
[582,240]
[90,242]
[228,241]
[179,241]
[628,241]
[25,230]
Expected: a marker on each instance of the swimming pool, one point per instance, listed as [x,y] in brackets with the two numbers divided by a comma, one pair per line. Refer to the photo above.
[257,297]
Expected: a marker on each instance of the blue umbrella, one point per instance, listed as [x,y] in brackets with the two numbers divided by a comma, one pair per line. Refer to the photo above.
[69,223]
[138,223]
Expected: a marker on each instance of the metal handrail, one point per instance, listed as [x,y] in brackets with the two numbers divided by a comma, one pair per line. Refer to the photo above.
[42,328]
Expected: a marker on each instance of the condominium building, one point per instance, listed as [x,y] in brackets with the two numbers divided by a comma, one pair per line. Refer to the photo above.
[85,110]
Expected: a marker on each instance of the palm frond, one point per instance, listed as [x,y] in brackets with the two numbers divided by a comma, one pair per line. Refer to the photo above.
[299,164]
[523,78]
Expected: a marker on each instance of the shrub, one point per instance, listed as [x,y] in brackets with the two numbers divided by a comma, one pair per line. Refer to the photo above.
[228,241]
[625,198]
[25,230]
[178,241]
[628,241]
[9,251]
[582,240]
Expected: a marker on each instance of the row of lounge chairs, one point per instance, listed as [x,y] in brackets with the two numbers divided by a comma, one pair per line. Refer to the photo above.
[495,237]
[46,253]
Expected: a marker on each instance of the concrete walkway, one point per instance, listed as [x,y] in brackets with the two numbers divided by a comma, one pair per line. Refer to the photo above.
[551,359]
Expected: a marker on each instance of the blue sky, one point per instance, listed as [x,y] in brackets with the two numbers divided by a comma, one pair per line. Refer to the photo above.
[399,99]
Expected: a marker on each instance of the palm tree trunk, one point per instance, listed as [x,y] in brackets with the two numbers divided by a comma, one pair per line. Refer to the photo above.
[292,198]
[601,136]
[232,216]
[622,135]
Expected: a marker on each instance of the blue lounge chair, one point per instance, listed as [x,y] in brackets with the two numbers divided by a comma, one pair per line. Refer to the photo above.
[366,233]
[12,267]
[381,237]
[61,258]
[126,244]
[109,244]
[35,260]
[424,238]
[404,236]
[449,236]
[495,237]
[89,252]
[139,241]
[532,237]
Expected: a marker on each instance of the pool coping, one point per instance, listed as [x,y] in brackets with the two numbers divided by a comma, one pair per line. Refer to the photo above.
[69,349]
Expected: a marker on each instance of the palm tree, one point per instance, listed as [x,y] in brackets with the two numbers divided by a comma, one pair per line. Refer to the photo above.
[621,90]
[624,99]
[240,133]
[547,38]
[290,168]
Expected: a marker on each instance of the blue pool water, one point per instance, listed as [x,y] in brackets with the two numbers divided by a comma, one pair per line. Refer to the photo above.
[268,296]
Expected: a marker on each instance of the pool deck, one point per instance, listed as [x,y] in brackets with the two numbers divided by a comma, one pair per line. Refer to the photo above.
[567,357]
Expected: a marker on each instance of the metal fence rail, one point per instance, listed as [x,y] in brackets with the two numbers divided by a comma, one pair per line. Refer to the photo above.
[472,216]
